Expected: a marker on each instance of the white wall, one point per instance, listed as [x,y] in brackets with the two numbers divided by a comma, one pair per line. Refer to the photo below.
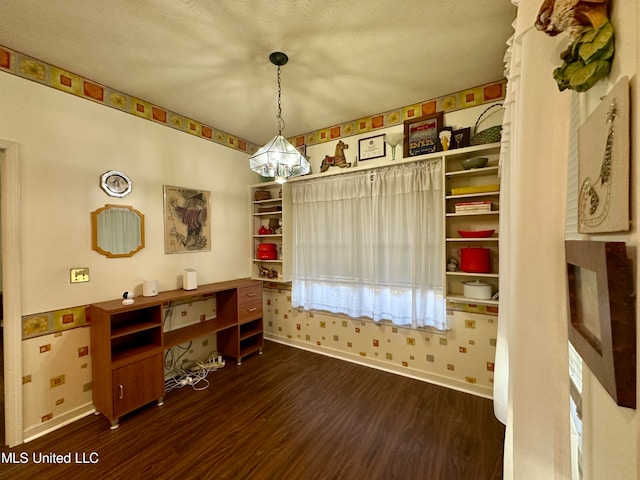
[66,143]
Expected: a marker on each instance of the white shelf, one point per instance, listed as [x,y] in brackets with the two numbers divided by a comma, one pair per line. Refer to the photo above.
[470,274]
[469,214]
[264,214]
[270,235]
[478,239]
[474,301]
[470,195]
[273,280]
[473,172]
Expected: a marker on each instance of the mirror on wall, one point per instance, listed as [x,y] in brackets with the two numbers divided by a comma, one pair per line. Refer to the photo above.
[117,231]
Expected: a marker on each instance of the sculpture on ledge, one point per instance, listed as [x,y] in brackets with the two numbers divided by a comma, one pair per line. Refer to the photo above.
[338,159]
[588,57]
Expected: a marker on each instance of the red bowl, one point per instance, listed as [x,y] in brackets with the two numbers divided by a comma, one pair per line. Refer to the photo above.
[476,233]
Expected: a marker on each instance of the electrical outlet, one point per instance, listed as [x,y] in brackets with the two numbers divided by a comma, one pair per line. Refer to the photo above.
[79,275]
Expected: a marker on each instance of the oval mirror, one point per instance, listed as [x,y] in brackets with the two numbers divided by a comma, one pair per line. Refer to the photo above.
[117,231]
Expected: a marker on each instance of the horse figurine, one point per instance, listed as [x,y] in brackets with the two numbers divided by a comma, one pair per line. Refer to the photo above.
[338,159]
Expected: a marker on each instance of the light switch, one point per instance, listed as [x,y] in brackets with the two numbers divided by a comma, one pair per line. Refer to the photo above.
[79,275]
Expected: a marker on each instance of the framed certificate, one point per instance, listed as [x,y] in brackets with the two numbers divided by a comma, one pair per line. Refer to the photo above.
[372,147]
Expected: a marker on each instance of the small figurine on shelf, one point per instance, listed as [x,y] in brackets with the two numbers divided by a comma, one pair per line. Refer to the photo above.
[273,224]
[453,265]
[267,273]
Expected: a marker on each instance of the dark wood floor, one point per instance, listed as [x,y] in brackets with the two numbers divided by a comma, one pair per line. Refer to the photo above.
[288,414]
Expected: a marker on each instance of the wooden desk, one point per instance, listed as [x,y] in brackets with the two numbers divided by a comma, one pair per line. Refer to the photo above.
[128,344]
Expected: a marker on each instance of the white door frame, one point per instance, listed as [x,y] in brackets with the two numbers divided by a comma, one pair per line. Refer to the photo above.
[12,291]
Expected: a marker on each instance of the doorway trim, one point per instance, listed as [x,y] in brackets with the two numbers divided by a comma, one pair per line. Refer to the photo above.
[12,290]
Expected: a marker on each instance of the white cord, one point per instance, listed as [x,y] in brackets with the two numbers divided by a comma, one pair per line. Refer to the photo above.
[195,375]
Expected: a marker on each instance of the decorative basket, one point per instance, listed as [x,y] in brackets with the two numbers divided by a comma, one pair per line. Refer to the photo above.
[262,195]
[489,135]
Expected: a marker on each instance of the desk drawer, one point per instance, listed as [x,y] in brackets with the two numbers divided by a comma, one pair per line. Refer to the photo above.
[249,294]
[250,310]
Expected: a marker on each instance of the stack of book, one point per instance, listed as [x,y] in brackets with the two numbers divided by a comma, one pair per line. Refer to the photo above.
[473,207]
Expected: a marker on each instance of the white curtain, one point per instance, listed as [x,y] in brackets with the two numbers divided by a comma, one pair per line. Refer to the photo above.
[531,392]
[370,244]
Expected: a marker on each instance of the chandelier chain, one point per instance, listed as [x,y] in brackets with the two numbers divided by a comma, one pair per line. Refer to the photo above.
[279,116]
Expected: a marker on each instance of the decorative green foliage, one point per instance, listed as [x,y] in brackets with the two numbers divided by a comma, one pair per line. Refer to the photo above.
[587,60]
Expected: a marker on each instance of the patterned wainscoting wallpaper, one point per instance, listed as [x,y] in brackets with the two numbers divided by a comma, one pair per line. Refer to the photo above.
[56,379]
[36,70]
[462,358]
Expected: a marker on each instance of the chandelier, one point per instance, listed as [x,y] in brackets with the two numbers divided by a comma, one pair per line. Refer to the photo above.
[278,158]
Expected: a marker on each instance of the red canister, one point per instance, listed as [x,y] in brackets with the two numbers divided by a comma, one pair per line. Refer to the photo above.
[475,259]
[267,251]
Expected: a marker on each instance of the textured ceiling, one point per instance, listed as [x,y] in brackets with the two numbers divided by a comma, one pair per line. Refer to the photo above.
[208,59]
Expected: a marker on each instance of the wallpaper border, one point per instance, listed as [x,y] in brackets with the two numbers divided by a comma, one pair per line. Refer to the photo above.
[49,75]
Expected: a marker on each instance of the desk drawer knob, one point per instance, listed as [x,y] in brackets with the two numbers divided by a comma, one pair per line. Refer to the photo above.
[253,309]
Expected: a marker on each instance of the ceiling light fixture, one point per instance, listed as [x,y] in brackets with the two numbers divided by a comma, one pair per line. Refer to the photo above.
[278,158]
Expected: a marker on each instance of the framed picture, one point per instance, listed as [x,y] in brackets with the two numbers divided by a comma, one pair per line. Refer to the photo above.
[603,164]
[602,323]
[421,134]
[371,147]
[461,138]
[187,225]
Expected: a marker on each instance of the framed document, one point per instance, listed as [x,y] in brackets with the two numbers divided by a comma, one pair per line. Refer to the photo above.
[371,147]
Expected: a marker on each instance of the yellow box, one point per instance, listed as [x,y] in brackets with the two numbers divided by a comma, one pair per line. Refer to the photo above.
[477,189]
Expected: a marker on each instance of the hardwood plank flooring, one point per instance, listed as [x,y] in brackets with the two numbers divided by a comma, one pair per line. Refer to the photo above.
[288,414]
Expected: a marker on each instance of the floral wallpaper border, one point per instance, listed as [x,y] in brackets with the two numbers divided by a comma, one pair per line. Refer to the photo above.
[38,71]
[55,321]
[471,97]
[30,68]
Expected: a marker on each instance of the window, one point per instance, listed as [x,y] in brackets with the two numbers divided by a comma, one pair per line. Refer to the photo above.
[370,244]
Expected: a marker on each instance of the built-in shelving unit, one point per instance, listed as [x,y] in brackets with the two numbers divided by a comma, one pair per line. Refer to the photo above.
[271,214]
[459,186]
[457,179]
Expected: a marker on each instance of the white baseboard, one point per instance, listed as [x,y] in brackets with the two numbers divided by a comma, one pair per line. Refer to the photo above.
[58,422]
[439,380]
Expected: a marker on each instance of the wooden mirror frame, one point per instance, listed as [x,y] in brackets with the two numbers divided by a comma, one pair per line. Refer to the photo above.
[602,325]
[102,248]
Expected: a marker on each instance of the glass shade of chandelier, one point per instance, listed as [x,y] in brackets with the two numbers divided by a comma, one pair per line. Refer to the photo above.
[279,159]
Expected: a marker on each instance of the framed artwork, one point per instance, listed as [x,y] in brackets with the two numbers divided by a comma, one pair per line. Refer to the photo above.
[461,138]
[187,223]
[602,322]
[603,165]
[371,147]
[421,134]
